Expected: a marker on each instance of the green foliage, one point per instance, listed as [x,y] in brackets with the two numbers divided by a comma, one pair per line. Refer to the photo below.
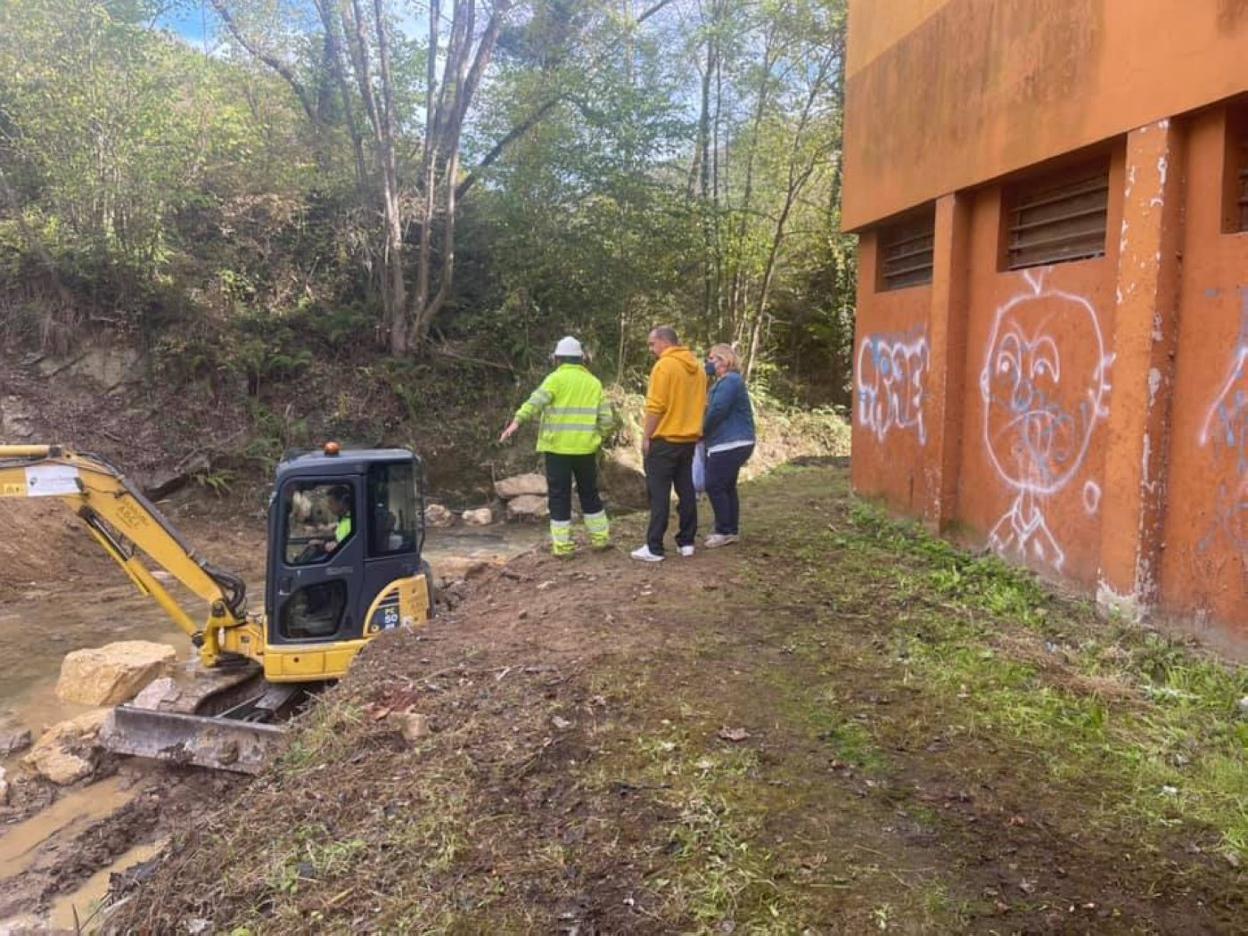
[217,207]
[218,481]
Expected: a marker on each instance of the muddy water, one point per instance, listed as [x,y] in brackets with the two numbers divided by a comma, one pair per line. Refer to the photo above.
[71,912]
[39,626]
[493,542]
[75,808]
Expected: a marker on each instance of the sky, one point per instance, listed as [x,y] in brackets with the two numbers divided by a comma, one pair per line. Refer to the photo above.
[194,21]
[190,21]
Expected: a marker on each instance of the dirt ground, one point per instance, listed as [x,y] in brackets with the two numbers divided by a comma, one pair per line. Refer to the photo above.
[775,737]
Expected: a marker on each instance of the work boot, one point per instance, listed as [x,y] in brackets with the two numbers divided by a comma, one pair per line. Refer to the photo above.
[561,543]
[599,530]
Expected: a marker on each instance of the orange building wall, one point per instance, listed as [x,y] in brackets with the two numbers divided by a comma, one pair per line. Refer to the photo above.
[1204,571]
[1033,489]
[1087,419]
[942,96]
[1141,356]
[891,380]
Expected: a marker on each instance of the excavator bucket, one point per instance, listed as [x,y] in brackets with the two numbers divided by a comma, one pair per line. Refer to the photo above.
[221,718]
[206,741]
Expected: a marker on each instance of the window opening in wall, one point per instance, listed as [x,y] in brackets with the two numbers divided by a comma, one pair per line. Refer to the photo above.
[1243,186]
[1058,217]
[906,251]
[1237,170]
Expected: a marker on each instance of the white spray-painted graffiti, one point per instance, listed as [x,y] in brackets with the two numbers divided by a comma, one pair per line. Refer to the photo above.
[1225,431]
[891,383]
[1044,385]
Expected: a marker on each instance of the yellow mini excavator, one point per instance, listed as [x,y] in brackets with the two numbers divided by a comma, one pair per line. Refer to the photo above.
[345,537]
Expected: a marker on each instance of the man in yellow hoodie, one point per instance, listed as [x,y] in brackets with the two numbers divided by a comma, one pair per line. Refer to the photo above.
[675,403]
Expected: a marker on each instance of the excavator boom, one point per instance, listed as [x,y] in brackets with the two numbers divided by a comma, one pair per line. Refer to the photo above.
[125,522]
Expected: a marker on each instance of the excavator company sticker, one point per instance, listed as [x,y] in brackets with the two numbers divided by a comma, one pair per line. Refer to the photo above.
[51,480]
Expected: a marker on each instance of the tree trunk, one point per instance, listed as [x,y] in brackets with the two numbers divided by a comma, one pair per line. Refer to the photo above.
[736,299]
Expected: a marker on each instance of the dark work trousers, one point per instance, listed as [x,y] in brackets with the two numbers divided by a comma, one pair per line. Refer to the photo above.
[671,464]
[722,469]
[560,469]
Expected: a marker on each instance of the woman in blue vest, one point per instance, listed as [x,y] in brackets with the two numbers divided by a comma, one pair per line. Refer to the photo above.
[575,417]
[728,434]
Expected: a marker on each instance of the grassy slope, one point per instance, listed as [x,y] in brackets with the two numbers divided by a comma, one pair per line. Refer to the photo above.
[934,743]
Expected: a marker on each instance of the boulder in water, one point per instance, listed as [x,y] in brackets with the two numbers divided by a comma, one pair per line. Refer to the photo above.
[439,517]
[114,673]
[528,507]
[68,752]
[482,516]
[520,485]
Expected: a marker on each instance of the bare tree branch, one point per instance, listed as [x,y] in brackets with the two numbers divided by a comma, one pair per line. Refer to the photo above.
[273,62]
[497,149]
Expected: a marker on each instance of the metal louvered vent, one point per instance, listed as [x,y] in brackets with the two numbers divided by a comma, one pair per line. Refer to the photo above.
[906,251]
[1059,218]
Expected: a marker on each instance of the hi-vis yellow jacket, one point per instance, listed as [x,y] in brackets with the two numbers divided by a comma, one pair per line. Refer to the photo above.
[575,413]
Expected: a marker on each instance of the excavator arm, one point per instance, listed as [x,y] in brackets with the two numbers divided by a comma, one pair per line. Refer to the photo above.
[124,522]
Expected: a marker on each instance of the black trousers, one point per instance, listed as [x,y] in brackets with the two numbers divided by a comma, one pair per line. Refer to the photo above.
[560,470]
[670,464]
[722,469]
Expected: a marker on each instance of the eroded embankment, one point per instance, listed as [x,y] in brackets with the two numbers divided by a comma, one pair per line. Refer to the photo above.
[838,725]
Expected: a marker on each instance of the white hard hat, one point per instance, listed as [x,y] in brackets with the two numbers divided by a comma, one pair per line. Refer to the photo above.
[569,347]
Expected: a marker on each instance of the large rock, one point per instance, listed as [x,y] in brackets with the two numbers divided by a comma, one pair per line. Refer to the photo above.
[114,673]
[482,516]
[623,480]
[520,485]
[528,507]
[438,516]
[460,568]
[68,752]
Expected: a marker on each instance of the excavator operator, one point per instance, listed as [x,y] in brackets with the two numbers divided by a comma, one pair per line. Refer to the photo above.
[340,504]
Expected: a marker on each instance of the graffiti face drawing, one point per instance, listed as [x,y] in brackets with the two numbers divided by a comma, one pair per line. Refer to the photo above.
[1044,384]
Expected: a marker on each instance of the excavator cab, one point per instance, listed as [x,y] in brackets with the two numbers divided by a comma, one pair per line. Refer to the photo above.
[346,531]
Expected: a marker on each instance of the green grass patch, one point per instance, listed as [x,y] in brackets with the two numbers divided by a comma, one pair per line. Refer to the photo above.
[1153,725]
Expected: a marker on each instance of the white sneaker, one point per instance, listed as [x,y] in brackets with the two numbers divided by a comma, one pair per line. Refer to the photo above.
[719,539]
[686,551]
[645,555]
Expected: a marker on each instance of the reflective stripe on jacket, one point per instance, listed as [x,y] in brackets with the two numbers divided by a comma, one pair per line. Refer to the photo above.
[575,413]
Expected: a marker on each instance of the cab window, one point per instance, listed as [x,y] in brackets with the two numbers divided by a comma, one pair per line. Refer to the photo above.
[394,506]
[319,520]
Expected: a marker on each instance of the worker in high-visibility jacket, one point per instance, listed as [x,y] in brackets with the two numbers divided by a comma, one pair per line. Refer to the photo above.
[575,417]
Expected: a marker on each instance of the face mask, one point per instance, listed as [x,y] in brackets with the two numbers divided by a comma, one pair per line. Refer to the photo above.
[710,368]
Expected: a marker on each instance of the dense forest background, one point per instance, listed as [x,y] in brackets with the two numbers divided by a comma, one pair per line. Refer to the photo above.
[424,192]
